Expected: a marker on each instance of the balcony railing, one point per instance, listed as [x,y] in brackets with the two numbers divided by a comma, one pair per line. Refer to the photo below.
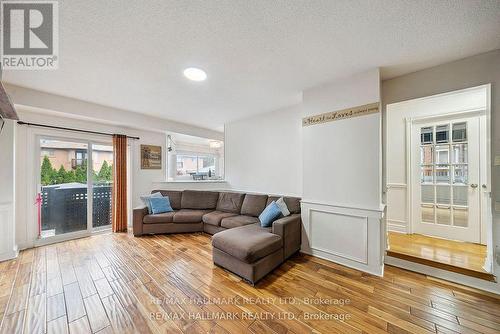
[64,207]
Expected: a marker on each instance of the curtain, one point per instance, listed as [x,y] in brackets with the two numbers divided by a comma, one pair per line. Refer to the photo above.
[119,199]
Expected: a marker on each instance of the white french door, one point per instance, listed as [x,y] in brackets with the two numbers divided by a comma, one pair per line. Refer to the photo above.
[445,179]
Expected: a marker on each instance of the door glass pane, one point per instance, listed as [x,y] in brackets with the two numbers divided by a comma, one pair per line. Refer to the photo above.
[443,194]
[426,174]
[460,217]
[427,213]
[442,173]
[459,132]
[427,195]
[442,154]
[460,154]
[442,133]
[63,176]
[426,155]
[460,174]
[426,135]
[460,195]
[443,215]
[102,176]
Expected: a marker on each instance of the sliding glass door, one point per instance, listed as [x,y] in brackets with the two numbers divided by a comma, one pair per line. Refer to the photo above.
[75,182]
[102,183]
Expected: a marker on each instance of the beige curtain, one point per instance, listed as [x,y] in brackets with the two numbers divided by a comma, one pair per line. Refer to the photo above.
[119,199]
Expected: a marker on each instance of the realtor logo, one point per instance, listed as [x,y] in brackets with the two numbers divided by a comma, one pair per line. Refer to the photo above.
[29,37]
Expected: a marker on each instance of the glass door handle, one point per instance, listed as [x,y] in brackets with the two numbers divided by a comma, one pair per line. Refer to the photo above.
[473,185]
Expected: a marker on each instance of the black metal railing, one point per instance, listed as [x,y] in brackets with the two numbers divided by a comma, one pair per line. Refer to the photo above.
[64,207]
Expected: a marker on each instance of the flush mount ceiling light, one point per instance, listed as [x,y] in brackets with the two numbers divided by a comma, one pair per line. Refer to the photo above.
[195,74]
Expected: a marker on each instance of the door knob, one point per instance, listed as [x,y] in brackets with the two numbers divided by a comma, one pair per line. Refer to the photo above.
[484,186]
[473,185]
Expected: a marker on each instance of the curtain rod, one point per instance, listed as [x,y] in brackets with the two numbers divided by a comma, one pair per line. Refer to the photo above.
[70,129]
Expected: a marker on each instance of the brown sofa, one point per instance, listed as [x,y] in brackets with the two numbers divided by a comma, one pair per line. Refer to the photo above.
[242,246]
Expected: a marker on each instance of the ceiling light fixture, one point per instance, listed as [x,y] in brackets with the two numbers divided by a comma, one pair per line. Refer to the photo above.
[195,74]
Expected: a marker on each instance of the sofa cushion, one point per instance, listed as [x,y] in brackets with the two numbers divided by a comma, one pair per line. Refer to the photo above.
[215,217]
[200,200]
[247,243]
[253,205]
[167,217]
[230,202]
[283,208]
[270,214]
[146,200]
[189,216]
[293,203]
[160,205]
[238,221]
[175,197]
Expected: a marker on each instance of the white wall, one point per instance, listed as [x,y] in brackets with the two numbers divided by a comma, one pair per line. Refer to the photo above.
[342,159]
[341,205]
[263,153]
[395,157]
[8,248]
[55,104]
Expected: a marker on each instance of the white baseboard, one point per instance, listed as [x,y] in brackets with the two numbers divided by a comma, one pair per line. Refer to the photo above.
[339,260]
[396,228]
[9,255]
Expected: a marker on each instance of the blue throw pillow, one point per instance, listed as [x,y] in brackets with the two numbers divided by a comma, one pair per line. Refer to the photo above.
[145,200]
[270,214]
[160,205]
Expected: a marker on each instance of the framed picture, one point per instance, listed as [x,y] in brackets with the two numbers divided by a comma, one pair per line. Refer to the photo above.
[150,157]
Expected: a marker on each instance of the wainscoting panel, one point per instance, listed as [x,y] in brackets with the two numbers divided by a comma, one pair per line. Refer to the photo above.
[339,234]
[351,236]
[397,212]
[7,248]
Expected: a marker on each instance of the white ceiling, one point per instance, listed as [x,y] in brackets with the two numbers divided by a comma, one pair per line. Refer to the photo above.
[259,55]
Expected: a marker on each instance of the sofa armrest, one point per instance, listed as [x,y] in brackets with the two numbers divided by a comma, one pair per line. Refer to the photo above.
[138,217]
[290,230]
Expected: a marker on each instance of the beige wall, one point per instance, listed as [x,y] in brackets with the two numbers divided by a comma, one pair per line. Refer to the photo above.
[473,71]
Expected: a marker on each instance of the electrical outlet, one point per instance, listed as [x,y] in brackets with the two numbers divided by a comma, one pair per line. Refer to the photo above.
[497,161]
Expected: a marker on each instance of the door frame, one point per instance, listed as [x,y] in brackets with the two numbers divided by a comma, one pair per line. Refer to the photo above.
[484,162]
[35,134]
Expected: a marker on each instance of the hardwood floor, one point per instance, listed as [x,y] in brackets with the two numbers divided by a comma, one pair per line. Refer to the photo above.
[168,284]
[462,257]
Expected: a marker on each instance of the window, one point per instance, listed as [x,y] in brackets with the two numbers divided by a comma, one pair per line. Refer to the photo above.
[442,133]
[194,158]
[198,167]
[80,159]
[426,135]
[47,152]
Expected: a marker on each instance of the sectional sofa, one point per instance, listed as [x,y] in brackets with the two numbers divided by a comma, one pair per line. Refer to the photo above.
[240,244]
